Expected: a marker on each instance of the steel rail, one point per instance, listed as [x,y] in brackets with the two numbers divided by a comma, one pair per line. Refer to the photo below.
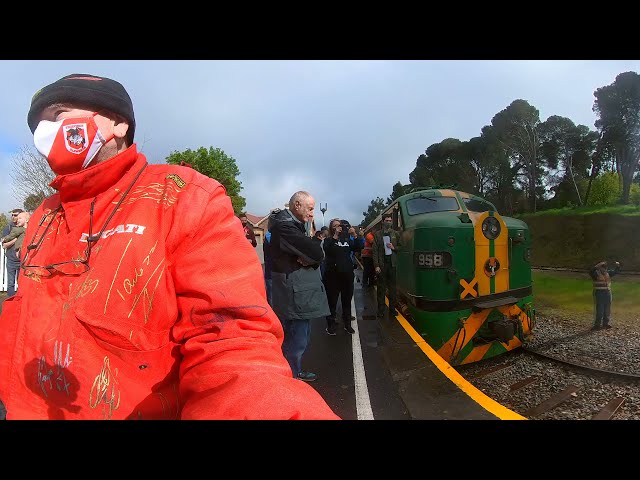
[627,376]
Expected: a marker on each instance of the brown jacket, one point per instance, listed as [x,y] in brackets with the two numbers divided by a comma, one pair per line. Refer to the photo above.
[378,248]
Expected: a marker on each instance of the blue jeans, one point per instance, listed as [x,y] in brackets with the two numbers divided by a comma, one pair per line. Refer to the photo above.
[297,335]
[602,300]
[12,271]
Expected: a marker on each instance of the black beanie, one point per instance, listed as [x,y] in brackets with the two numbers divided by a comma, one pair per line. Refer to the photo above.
[84,90]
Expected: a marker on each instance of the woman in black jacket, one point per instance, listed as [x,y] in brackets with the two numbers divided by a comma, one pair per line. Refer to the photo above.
[338,274]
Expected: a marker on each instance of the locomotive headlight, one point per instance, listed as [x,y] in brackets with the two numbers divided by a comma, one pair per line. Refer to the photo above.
[491,228]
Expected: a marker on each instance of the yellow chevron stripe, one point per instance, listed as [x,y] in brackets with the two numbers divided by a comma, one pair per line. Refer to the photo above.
[476,354]
[471,326]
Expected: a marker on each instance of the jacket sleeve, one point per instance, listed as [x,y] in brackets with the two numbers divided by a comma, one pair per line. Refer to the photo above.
[232,365]
[252,237]
[614,271]
[15,233]
[374,252]
[397,243]
[293,241]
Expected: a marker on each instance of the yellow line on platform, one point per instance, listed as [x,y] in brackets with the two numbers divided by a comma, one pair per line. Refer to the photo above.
[500,411]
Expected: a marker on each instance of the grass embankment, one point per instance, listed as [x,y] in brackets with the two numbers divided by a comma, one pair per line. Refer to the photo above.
[624,210]
[569,295]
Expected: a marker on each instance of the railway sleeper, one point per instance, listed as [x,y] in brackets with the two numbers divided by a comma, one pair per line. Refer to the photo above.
[609,409]
[552,401]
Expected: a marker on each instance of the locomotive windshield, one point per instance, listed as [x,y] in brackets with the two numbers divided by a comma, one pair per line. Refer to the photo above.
[419,205]
[479,206]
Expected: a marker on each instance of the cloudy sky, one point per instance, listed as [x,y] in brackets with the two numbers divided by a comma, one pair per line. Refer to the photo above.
[344,130]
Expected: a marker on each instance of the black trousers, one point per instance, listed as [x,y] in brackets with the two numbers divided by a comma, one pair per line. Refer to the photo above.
[386,281]
[368,272]
[339,284]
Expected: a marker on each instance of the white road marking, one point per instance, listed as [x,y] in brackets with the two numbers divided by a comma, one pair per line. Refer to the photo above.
[363,403]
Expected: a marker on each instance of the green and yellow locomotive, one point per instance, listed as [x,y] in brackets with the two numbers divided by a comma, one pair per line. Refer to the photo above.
[463,273]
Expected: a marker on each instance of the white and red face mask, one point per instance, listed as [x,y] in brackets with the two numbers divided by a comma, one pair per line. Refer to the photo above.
[69,145]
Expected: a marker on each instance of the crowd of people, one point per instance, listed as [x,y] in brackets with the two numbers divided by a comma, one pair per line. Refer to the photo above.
[307,274]
[124,312]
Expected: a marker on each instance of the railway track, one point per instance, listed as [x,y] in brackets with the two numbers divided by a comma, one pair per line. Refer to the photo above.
[587,368]
[544,386]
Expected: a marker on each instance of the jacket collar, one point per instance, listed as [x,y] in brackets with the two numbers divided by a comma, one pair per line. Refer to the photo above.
[94,180]
[294,218]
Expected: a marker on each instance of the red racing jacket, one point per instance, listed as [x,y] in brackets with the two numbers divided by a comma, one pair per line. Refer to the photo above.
[170,319]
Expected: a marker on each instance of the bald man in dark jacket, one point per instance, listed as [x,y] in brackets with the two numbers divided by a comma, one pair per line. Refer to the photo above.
[298,294]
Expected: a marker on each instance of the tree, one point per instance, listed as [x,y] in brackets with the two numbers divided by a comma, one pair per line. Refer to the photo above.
[375,208]
[446,163]
[4,221]
[602,159]
[495,176]
[216,164]
[567,150]
[31,174]
[617,107]
[516,128]
[397,191]
[485,155]
[33,201]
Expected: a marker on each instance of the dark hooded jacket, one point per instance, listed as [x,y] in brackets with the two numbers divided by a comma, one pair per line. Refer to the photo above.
[297,290]
[289,242]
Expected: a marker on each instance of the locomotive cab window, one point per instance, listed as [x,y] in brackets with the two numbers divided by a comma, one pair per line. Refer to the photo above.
[478,206]
[419,205]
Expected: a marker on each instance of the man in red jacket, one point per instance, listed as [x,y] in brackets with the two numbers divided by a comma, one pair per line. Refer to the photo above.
[130,305]
[248,231]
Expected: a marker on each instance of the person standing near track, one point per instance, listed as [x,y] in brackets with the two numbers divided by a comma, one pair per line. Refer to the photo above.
[368,272]
[386,243]
[338,277]
[298,294]
[601,275]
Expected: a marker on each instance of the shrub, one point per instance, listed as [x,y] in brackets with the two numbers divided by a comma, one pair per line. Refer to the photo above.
[605,190]
[634,194]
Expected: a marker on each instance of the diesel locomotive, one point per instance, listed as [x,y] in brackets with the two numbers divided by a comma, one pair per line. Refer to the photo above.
[463,275]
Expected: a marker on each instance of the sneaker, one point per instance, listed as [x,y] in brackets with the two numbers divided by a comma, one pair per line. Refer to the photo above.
[307,376]
[596,327]
[606,326]
[349,329]
[331,330]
